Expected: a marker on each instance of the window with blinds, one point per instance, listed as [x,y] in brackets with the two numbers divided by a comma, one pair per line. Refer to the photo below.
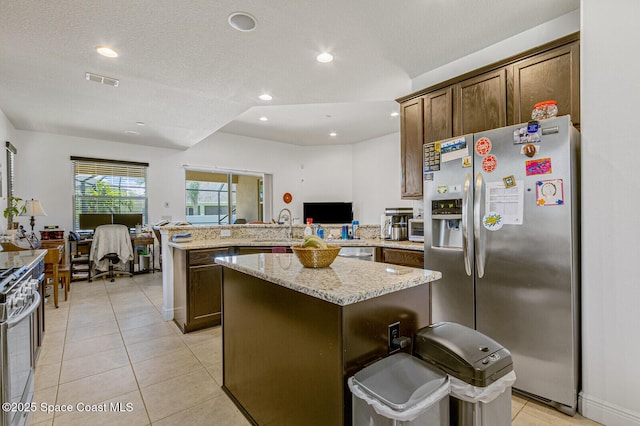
[108,187]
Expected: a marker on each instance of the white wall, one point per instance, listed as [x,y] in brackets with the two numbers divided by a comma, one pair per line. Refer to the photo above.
[43,170]
[7,132]
[610,283]
[376,178]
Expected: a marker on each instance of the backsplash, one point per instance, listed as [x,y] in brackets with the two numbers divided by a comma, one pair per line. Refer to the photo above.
[263,231]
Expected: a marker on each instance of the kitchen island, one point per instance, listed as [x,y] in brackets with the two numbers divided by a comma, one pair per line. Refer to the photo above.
[292,336]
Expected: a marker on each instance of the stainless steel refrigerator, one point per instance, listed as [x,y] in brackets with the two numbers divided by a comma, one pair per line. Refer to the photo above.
[502,225]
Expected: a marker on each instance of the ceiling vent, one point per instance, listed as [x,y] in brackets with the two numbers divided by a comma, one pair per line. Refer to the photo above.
[102,79]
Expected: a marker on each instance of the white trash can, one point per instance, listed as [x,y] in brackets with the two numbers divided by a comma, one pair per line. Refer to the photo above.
[400,390]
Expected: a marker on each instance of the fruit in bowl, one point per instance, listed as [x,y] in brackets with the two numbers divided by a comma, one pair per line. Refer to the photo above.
[315,253]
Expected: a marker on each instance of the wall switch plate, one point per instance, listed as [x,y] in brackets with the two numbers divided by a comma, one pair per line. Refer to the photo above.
[393,333]
[225,232]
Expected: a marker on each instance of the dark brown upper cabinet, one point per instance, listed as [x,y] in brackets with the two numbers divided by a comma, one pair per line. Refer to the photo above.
[481,103]
[438,115]
[551,75]
[411,139]
[494,96]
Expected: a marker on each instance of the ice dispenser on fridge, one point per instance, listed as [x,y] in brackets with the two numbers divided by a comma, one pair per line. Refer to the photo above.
[446,227]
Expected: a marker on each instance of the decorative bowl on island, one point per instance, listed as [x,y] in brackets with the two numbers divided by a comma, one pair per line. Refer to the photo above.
[312,257]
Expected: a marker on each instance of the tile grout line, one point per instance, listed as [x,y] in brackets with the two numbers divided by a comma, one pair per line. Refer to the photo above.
[127,351]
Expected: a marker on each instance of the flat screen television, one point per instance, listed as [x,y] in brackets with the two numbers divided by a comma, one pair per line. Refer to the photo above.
[89,222]
[328,212]
[128,219]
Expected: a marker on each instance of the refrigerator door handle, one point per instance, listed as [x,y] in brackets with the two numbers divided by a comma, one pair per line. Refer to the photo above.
[466,241]
[477,226]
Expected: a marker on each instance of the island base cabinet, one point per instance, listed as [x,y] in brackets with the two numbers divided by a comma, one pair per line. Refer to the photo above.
[197,286]
[287,355]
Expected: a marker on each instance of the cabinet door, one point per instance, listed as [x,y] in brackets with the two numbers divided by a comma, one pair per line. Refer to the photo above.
[205,294]
[438,115]
[412,258]
[411,139]
[481,103]
[551,75]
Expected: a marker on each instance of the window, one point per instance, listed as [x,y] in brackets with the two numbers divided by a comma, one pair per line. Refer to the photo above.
[106,187]
[220,198]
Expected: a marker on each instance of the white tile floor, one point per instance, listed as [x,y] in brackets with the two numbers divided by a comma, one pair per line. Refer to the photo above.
[108,344]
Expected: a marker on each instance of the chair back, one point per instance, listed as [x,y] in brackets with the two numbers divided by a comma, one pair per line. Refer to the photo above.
[111,239]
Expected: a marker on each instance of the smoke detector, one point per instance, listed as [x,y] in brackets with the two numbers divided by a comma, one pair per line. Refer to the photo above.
[102,79]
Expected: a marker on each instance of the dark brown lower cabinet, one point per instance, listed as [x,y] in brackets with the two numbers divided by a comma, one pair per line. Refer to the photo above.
[197,288]
[412,258]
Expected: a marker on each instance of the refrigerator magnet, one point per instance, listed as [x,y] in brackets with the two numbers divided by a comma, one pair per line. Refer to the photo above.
[466,161]
[483,146]
[509,181]
[541,166]
[489,163]
[453,149]
[529,150]
[550,192]
[492,221]
[523,135]
[442,189]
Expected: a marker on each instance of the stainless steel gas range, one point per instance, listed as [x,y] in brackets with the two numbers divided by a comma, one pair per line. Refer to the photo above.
[21,324]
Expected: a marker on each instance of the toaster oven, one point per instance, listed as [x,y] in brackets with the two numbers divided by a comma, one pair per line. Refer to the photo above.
[416,230]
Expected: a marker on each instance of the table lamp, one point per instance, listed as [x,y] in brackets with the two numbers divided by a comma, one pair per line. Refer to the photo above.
[33,208]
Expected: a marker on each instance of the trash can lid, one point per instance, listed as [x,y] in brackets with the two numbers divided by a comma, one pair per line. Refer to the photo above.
[400,381]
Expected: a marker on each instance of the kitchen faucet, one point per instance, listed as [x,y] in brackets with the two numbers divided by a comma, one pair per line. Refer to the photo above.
[289,233]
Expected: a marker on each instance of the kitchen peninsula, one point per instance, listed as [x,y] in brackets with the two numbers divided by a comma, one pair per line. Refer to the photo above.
[293,335]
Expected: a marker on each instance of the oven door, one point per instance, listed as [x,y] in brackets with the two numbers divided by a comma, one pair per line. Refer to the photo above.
[18,362]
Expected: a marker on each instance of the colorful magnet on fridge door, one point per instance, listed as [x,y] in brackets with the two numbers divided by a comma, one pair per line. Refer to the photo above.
[529,150]
[466,161]
[442,189]
[483,146]
[492,221]
[550,192]
[538,167]
[489,163]
[523,135]
[509,181]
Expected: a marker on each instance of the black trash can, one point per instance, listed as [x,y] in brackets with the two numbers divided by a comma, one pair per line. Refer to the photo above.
[480,372]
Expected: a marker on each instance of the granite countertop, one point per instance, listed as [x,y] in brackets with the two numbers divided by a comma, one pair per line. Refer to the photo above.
[21,258]
[345,282]
[248,242]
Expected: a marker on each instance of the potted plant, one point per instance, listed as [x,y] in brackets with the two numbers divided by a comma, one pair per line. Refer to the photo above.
[14,208]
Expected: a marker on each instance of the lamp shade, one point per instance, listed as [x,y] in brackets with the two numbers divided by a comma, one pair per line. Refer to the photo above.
[33,208]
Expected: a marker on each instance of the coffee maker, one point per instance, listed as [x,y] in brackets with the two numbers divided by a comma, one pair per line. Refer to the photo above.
[395,222]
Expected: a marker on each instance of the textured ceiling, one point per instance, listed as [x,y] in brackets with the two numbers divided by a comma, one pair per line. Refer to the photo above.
[186,73]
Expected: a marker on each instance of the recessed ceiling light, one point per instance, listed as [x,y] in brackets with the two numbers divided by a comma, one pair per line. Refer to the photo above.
[139,123]
[107,51]
[265,97]
[263,118]
[395,114]
[131,132]
[242,21]
[325,57]
[333,134]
